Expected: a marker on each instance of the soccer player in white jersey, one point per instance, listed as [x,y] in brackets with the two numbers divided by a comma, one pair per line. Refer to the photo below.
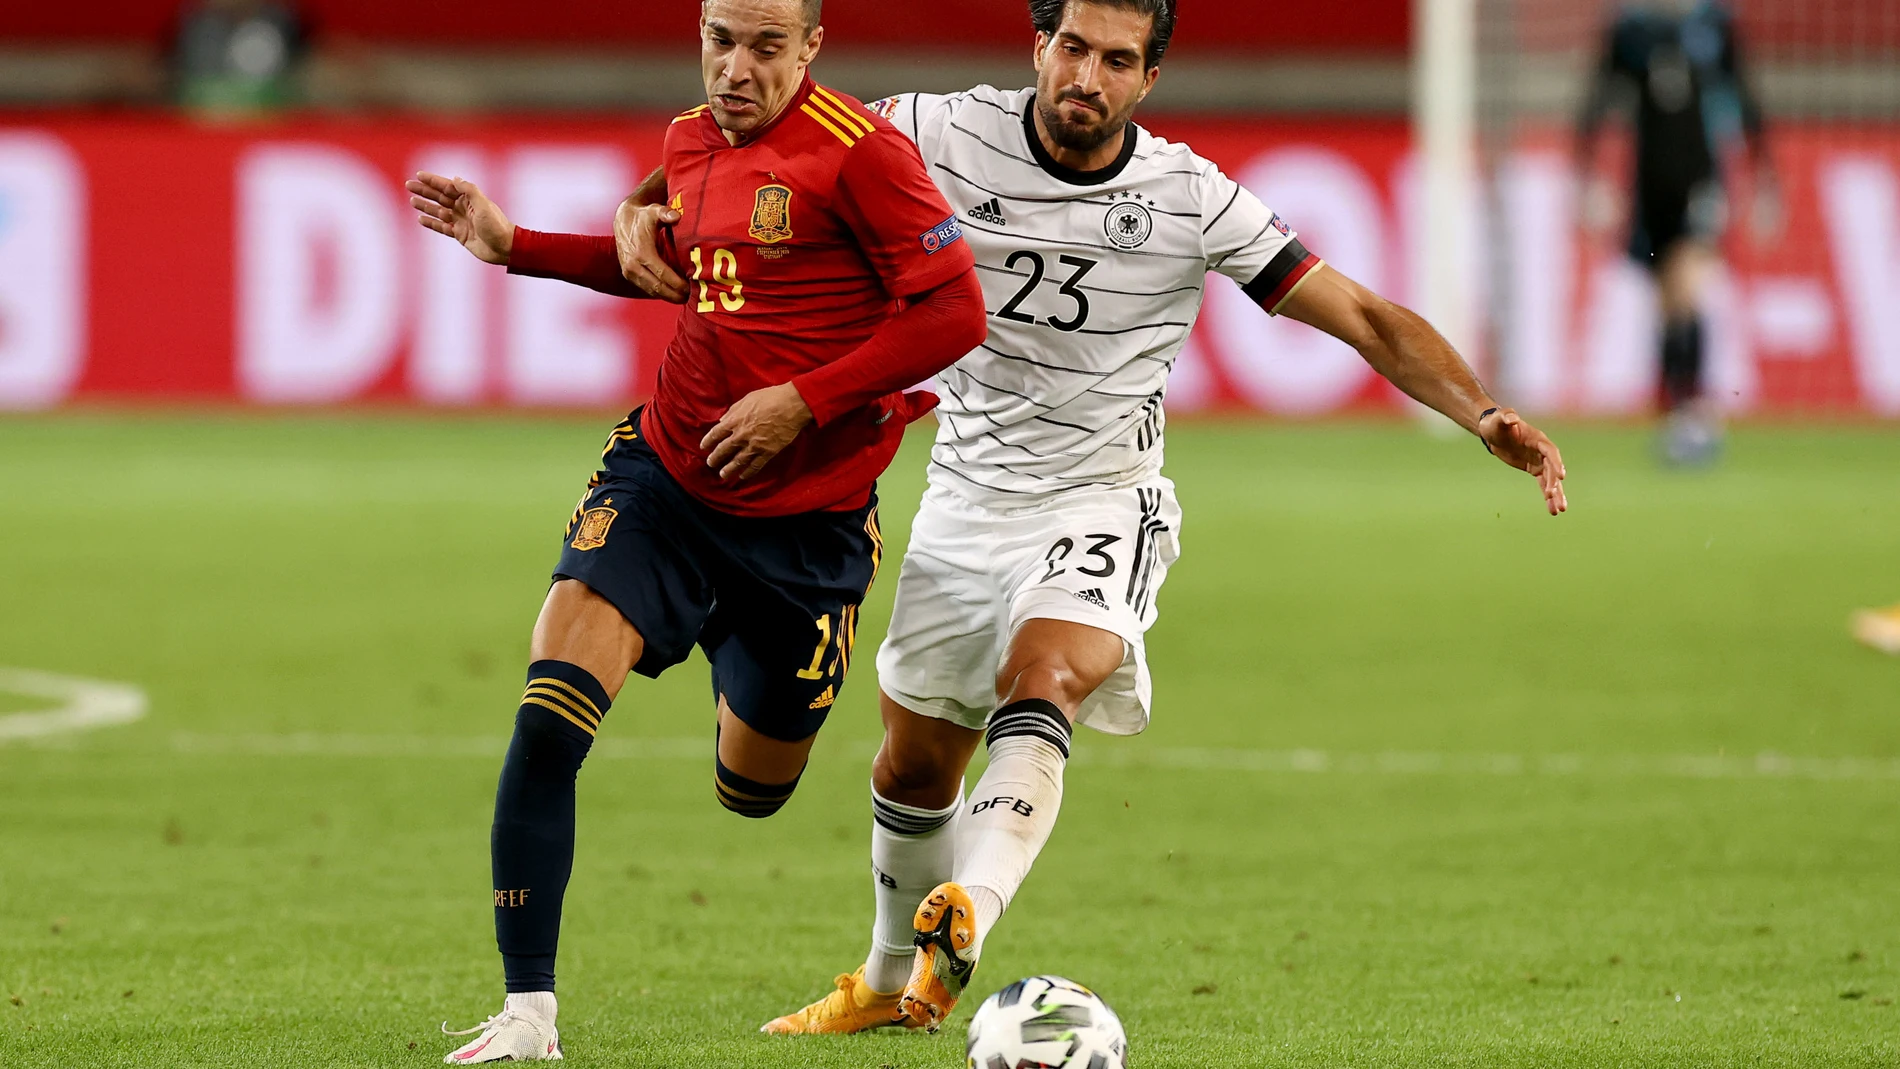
[1048,528]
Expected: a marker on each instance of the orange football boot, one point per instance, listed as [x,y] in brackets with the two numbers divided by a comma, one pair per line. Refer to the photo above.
[1879,628]
[946,956]
[853,1007]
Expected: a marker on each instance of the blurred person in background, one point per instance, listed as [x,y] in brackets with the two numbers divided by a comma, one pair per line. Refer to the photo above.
[1675,66]
[237,56]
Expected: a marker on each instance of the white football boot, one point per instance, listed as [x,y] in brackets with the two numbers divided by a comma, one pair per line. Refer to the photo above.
[521,1032]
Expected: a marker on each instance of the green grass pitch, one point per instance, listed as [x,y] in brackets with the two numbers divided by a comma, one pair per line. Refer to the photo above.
[1433,779]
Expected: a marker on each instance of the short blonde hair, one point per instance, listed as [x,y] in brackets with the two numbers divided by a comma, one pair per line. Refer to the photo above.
[814,9]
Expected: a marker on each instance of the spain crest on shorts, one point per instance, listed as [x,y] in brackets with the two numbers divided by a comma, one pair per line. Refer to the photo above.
[592,532]
[772,215]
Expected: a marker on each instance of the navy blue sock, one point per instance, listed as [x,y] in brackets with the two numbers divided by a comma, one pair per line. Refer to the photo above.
[750,798]
[532,842]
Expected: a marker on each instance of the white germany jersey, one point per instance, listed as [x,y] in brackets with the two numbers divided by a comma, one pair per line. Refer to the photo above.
[1093,282]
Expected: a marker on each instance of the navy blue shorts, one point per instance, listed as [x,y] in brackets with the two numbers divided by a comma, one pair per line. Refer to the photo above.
[773,601]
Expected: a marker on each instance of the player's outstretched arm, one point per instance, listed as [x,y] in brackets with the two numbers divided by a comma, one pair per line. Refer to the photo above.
[1598,205]
[1417,359]
[1769,214]
[457,208]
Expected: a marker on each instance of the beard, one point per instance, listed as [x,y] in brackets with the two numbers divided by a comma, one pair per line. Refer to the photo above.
[1074,136]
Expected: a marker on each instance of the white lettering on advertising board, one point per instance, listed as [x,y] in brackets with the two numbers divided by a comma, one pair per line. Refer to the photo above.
[42,270]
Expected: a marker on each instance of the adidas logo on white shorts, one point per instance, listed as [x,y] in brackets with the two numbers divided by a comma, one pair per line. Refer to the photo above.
[1093,597]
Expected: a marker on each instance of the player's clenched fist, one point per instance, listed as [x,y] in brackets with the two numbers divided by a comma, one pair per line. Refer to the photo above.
[637,230]
[459,209]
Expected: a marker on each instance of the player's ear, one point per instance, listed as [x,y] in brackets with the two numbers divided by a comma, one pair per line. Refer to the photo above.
[1042,48]
[1148,84]
[813,42]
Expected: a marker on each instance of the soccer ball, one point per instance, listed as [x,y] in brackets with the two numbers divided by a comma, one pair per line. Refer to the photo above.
[1046,1022]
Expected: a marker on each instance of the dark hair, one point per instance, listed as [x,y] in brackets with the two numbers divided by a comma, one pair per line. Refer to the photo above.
[1047,17]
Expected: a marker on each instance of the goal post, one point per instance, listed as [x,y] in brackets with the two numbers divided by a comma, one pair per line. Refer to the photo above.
[1444,126]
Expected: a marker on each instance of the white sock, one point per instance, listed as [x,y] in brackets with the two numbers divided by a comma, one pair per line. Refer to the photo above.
[989,910]
[538,1003]
[912,851]
[1013,808]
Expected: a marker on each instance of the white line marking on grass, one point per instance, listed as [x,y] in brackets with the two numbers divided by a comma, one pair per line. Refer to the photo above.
[1270,762]
[88,704]
[312,744]
[1642,766]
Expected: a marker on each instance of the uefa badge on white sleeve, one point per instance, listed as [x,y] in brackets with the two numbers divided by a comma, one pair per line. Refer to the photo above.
[1046,1022]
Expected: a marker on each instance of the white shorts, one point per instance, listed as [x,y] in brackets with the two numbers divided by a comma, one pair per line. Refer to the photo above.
[972,575]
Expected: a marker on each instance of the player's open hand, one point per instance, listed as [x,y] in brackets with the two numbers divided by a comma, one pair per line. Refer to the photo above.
[459,209]
[1598,206]
[1526,448]
[637,238]
[754,430]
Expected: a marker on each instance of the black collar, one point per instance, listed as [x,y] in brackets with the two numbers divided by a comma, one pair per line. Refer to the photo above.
[1130,134]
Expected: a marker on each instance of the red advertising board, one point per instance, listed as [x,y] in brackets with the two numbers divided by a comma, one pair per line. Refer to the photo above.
[151,259]
[1817,29]
[943,26]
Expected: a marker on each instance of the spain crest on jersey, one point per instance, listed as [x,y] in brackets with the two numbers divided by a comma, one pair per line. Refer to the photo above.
[593,529]
[772,215]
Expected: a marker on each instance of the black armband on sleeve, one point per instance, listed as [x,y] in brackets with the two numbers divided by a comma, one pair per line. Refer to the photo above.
[1281,276]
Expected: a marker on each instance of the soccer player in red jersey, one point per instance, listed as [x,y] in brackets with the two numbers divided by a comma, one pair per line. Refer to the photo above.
[1049,527]
[737,509]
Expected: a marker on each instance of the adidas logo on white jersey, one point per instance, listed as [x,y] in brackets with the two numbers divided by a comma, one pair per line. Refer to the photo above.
[990,211]
[1092,596]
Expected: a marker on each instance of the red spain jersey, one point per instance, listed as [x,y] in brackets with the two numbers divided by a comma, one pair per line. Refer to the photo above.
[797,245]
